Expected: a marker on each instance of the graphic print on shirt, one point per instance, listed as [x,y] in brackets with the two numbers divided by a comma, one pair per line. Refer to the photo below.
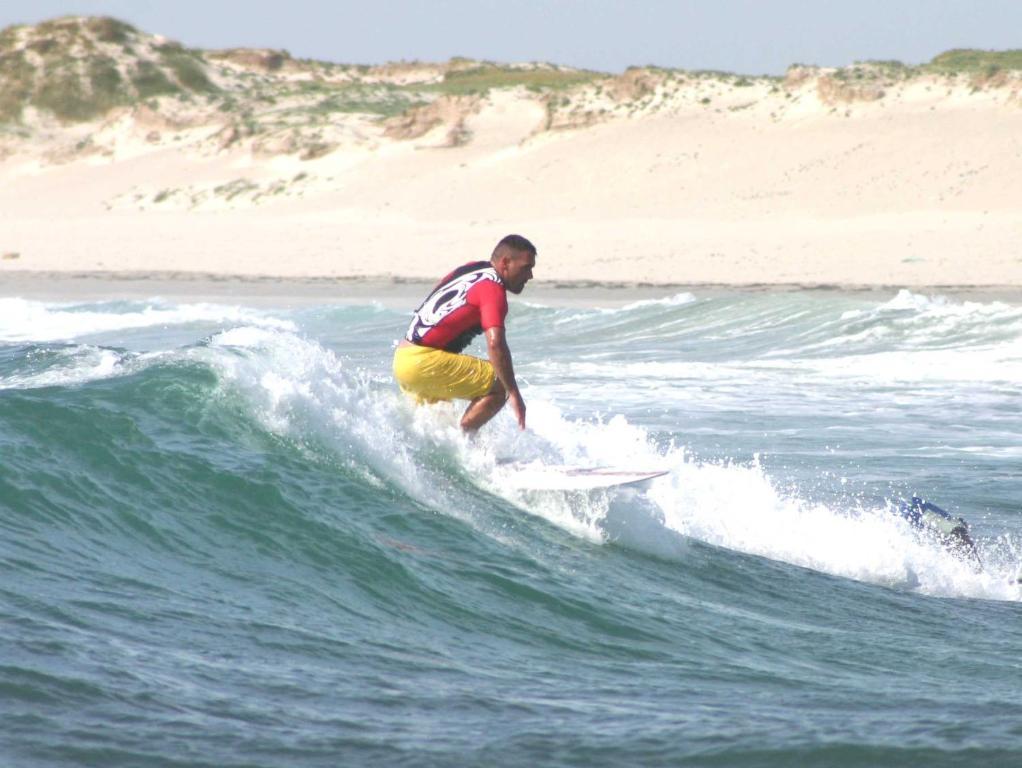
[446,299]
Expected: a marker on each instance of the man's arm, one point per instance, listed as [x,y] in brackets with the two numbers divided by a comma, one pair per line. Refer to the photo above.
[500,359]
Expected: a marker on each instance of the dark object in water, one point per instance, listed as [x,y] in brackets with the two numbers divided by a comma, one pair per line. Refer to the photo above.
[951,531]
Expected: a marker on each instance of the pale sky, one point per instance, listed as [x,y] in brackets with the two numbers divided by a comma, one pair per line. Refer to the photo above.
[742,36]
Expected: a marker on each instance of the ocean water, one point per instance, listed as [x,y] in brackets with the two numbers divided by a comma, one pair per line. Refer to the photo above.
[227,540]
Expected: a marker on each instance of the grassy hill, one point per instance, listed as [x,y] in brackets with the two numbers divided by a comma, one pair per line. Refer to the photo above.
[63,77]
[80,68]
[77,69]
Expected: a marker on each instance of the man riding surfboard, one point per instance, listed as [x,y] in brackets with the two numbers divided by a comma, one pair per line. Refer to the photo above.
[428,362]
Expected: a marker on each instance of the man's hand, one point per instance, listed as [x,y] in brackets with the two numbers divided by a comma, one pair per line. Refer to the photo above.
[500,358]
[518,406]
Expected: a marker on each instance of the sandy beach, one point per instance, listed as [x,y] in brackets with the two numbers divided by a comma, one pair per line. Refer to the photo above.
[644,178]
[294,292]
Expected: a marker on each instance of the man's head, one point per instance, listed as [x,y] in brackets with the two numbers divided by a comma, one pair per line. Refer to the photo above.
[513,258]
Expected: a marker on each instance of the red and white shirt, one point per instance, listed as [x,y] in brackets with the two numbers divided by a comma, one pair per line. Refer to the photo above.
[468,301]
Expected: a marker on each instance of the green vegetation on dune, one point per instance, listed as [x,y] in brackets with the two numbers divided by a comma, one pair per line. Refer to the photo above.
[8,37]
[318,98]
[486,77]
[17,75]
[71,97]
[189,67]
[62,95]
[105,85]
[873,70]
[149,81]
[961,61]
[972,61]
[704,74]
[890,66]
[79,68]
[109,30]
[384,101]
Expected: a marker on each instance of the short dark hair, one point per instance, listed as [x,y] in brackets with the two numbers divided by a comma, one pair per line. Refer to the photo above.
[516,243]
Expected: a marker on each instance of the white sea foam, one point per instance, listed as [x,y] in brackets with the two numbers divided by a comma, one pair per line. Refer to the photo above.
[677,300]
[910,339]
[304,391]
[733,506]
[737,507]
[71,366]
[931,319]
[911,303]
[993,364]
[603,313]
[22,320]
[674,300]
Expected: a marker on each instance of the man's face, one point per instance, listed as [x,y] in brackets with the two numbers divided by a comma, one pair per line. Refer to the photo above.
[518,270]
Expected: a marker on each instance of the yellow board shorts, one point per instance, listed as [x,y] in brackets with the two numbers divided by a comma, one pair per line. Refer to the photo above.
[431,375]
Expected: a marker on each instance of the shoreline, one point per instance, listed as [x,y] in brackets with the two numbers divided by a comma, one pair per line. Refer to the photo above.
[399,291]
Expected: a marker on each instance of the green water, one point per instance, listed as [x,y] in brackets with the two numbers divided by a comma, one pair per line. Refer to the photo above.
[228,541]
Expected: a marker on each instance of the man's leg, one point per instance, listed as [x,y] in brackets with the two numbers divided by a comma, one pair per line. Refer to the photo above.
[482,409]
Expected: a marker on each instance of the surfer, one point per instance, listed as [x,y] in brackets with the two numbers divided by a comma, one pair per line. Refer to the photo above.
[428,362]
[952,532]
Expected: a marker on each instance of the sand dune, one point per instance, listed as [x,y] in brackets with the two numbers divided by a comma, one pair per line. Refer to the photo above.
[653,176]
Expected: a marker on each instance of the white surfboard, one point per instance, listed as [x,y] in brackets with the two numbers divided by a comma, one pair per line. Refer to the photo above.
[555,477]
